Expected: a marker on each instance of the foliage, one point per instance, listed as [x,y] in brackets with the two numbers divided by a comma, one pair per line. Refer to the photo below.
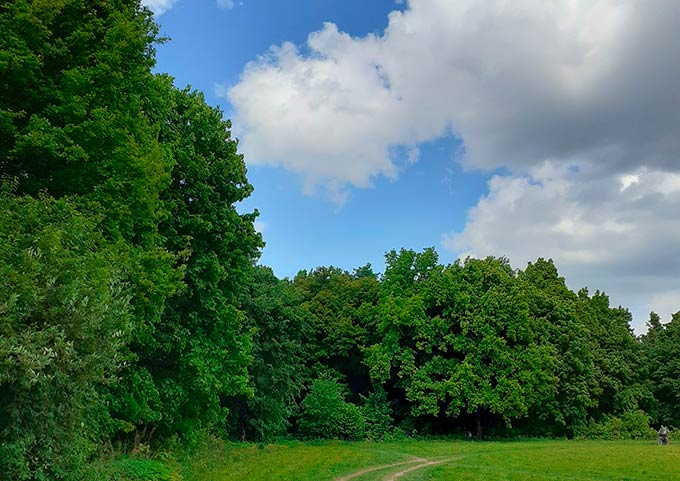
[459,340]
[76,88]
[280,334]
[343,310]
[199,352]
[662,356]
[76,106]
[379,418]
[576,389]
[131,308]
[64,317]
[326,414]
[630,425]
[84,118]
[620,373]
[132,469]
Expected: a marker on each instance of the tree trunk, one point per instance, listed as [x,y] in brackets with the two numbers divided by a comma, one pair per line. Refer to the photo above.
[478,424]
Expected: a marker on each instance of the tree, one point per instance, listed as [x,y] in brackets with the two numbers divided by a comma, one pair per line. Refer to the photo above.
[401,314]
[553,304]
[64,318]
[76,86]
[84,118]
[199,353]
[620,373]
[326,414]
[662,349]
[343,309]
[460,341]
[280,339]
[80,113]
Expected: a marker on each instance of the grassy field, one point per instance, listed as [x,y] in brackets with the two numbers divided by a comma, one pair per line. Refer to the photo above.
[434,460]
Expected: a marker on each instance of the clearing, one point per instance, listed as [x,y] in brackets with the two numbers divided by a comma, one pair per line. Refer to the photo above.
[417,460]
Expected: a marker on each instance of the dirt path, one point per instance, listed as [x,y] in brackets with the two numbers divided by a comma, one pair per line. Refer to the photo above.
[418,462]
[413,468]
[378,468]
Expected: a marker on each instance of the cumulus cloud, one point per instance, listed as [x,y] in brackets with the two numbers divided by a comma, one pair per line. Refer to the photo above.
[159,7]
[618,233]
[576,100]
[328,117]
[519,82]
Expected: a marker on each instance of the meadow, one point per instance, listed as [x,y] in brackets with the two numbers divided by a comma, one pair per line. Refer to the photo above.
[414,460]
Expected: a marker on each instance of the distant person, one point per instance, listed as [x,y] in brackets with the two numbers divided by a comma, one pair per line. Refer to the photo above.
[663,436]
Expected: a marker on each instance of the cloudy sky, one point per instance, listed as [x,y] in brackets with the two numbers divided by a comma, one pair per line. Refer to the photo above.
[523,128]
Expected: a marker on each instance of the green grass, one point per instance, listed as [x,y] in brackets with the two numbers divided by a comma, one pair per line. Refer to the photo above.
[469,461]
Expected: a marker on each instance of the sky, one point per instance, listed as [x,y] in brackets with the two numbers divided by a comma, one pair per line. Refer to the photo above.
[523,129]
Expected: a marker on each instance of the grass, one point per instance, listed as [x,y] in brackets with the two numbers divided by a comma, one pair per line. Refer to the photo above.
[469,461]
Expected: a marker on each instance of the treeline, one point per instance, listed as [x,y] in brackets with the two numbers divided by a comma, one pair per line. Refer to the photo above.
[132,312]
[473,347]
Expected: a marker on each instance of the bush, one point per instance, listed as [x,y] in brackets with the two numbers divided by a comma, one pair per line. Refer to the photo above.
[131,469]
[630,425]
[143,470]
[63,318]
[326,414]
[377,412]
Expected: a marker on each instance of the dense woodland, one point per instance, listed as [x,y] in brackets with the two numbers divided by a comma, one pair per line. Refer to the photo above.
[133,312]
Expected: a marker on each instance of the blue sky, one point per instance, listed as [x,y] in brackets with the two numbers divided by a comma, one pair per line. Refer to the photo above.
[525,129]
[211,45]
[303,231]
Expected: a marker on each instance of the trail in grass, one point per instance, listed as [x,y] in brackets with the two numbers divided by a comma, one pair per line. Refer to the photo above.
[421,463]
[356,474]
[413,468]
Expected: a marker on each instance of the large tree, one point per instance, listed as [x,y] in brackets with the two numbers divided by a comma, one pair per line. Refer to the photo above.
[343,309]
[83,117]
[553,304]
[620,373]
[459,340]
[281,336]
[75,89]
[80,113]
[200,351]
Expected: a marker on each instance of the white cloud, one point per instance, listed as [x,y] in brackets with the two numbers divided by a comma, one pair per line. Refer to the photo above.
[327,117]
[226,4]
[520,82]
[577,101]
[624,241]
[259,226]
[665,303]
[220,89]
[159,7]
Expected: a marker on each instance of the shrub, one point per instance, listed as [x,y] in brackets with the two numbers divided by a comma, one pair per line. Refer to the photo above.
[63,318]
[131,469]
[326,414]
[144,470]
[377,412]
[630,425]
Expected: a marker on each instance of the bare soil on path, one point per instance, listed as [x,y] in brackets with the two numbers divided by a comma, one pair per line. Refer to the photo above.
[413,468]
[418,463]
